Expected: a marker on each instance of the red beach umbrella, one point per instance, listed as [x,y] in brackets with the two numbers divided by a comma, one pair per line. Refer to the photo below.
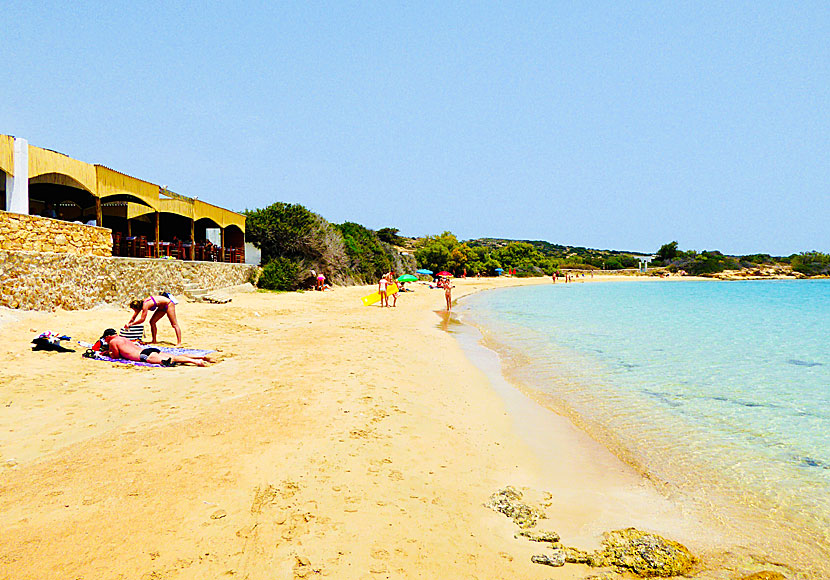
[445,273]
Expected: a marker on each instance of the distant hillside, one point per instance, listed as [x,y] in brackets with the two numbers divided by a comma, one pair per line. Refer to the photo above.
[611,259]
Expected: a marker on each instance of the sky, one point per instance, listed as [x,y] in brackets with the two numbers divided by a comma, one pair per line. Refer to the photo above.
[611,125]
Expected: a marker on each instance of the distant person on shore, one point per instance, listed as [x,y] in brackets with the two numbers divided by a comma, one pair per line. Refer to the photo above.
[448,293]
[159,306]
[382,284]
[120,347]
[321,281]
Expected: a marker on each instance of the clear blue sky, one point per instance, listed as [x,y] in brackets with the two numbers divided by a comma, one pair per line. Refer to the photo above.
[603,124]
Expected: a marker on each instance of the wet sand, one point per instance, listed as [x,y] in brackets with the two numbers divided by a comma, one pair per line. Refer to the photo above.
[332,439]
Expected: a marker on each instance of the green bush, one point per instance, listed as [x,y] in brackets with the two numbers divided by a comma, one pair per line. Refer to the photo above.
[280,274]
[811,263]
[368,259]
[707,262]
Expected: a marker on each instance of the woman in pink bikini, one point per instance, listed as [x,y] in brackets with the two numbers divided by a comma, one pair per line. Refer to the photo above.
[159,305]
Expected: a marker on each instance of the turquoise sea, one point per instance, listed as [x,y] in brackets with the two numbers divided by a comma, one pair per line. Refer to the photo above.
[720,390]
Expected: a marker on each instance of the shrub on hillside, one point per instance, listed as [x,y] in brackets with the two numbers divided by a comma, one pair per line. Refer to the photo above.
[368,259]
[280,274]
[811,263]
[707,262]
[291,231]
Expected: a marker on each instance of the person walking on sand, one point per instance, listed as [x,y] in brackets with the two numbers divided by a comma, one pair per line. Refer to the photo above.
[160,306]
[382,283]
[448,293]
[120,347]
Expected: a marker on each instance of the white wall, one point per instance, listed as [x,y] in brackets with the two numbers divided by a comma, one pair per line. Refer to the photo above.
[252,254]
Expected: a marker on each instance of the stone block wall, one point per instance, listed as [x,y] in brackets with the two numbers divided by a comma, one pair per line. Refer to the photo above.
[33,233]
[49,280]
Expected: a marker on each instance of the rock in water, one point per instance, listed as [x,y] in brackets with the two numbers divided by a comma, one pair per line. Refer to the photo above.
[556,559]
[643,553]
[508,501]
[765,575]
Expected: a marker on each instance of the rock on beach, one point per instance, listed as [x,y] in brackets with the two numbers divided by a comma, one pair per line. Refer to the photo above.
[643,553]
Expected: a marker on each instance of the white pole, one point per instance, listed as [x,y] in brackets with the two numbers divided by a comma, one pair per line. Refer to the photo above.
[17,186]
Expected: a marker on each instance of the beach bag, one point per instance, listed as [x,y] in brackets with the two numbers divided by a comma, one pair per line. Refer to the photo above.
[134,332]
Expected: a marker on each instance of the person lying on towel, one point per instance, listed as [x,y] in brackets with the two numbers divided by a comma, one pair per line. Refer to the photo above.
[120,347]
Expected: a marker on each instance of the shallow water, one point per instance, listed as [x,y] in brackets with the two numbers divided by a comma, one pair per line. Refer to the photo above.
[719,389]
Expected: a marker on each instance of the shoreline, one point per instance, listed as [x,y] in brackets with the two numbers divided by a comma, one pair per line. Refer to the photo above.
[333,440]
[710,529]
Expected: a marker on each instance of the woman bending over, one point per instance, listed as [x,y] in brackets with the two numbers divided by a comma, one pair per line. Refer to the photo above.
[159,306]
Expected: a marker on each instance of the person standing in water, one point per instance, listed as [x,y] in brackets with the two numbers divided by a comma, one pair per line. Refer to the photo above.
[159,306]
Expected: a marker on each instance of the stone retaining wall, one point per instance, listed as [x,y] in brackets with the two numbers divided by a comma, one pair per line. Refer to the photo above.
[48,280]
[21,232]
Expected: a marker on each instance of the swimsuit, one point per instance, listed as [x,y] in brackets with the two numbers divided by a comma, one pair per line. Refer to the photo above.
[162,307]
[146,353]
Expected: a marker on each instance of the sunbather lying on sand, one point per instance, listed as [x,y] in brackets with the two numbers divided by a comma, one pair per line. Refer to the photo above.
[120,347]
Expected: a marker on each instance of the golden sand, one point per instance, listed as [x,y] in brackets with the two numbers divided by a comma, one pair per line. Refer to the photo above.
[331,440]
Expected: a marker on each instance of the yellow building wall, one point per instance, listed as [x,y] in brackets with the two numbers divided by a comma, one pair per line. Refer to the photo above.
[7,154]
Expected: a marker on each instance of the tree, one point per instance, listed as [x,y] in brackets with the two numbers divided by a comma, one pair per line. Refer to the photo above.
[434,252]
[667,252]
[368,259]
[390,236]
[284,230]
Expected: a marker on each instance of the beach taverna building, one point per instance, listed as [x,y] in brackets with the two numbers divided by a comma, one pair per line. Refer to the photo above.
[146,220]
[54,204]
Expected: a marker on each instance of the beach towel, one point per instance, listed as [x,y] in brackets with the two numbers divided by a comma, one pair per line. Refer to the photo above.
[134,332]
[184,351]
[91,354]
[94,355]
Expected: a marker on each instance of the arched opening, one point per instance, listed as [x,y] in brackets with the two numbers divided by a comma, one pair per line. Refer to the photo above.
[201,230]
[59,196]
[174,227]
[234,244]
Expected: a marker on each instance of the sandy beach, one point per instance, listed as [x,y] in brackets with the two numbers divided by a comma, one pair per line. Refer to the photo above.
[331,439]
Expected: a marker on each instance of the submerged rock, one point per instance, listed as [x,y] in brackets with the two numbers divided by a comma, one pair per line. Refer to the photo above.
[508,501]
[765,575]
[555,559]
[643,553]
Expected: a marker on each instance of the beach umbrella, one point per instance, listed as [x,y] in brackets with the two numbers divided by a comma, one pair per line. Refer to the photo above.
[407,278]
[425,272]
[445,273]
[499,270]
